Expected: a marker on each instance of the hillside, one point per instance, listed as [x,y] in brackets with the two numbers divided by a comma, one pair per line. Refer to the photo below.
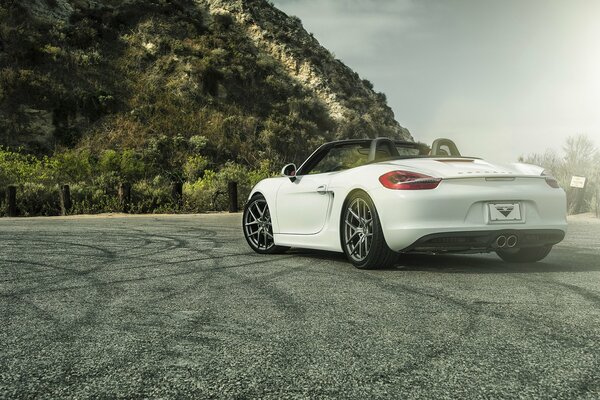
[239,80]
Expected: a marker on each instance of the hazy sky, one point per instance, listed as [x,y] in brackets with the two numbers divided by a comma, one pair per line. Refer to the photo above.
[502,78]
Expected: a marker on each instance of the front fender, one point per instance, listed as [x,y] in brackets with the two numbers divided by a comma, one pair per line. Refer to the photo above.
[268,188]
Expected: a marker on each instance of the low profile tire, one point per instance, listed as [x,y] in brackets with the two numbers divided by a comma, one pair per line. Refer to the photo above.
[361,234]
[524,255]
[257,227]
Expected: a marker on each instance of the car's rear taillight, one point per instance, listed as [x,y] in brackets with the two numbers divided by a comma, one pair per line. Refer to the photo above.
[405,180]
[552,183]
[550,180]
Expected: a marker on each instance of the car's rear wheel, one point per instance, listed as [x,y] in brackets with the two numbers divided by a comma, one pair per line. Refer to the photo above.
[524,255]
[258,229]
[362,236]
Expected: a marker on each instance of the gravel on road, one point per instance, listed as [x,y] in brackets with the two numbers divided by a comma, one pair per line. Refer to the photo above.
[180,307]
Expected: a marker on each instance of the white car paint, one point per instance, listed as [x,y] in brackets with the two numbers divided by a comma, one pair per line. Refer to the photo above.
[306,212]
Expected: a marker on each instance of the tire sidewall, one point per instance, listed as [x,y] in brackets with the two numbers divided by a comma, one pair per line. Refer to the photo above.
[370,262]
[271,250]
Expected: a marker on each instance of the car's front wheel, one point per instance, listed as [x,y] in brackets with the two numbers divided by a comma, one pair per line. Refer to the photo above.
[525,255]
[362,236]
[258,229]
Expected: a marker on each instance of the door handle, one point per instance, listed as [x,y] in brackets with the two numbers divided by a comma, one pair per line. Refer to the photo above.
[322,189]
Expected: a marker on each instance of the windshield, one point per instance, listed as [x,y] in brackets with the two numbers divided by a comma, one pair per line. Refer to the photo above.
[342,157]
[407,150]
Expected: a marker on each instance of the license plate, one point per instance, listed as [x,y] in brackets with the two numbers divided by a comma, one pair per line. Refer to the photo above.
[505,212]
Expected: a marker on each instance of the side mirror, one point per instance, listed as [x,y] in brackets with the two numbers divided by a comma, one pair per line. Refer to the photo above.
[290,171]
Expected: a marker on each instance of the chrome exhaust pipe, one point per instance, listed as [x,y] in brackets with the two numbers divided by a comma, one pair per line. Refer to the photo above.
[501,241]
[511,241]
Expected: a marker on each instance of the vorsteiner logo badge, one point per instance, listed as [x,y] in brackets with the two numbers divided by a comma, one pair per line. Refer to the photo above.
[505,210]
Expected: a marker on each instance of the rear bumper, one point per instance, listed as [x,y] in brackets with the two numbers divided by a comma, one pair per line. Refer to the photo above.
[484,241]
[455,215]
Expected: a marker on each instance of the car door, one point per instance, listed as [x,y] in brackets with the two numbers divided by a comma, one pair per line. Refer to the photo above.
[303,205]
[303,202]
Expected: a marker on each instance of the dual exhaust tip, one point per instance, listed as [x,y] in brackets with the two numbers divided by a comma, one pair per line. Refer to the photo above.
[509,241]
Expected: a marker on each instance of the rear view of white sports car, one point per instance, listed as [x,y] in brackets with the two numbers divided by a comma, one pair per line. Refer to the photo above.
[376,198]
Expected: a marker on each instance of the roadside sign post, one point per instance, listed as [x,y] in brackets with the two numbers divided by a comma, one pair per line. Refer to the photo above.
[597,199]
[579,184]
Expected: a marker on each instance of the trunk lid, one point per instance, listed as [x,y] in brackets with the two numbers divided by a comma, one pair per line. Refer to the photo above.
[448,168]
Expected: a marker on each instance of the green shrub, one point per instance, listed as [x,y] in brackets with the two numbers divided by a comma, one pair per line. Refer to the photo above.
[71,166]
[211,191]
[17,168]
[37,199]
[93,200]
[194,167]
[152,196]
[201,196]
[131,166]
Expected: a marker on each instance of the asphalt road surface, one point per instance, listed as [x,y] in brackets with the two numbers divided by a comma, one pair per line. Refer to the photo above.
[177,307]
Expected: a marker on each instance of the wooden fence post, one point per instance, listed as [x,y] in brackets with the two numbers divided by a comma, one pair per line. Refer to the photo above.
[233,197]
[124,196]
[65,200]
[177,193]
[11,199]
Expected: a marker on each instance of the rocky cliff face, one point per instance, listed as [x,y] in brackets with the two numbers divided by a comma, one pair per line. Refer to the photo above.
[241,75]
[284,38]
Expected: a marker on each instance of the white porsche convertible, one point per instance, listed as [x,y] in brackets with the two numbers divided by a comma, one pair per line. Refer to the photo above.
[375,198]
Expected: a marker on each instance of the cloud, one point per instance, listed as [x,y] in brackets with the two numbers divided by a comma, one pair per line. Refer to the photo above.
[527,72]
